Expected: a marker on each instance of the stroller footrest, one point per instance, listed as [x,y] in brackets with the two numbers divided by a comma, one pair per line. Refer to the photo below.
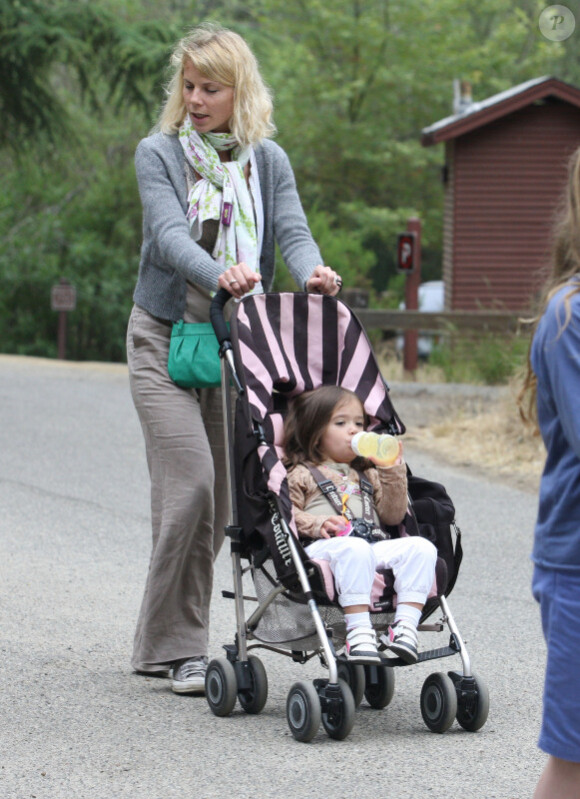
[432,654]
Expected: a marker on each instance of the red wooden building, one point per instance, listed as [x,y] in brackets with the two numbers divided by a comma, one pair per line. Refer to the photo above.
[505,170]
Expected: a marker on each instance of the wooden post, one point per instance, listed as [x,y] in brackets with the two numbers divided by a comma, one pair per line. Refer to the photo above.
[413,279]
[62,335]
[63,298]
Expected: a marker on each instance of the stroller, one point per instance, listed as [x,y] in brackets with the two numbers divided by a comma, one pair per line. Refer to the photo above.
[278,346]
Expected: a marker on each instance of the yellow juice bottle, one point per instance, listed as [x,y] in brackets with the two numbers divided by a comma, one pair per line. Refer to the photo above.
[383,448]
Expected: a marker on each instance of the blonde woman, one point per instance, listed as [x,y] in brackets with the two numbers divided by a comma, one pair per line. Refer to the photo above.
[217,197]
[551,399]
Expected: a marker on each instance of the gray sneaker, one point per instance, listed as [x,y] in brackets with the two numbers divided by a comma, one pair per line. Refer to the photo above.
[189,676]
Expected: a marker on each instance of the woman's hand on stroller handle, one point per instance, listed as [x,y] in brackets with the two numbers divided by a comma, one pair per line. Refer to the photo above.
[324,280]
[239,279]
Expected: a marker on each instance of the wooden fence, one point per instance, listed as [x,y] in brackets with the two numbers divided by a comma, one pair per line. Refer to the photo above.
[464,322]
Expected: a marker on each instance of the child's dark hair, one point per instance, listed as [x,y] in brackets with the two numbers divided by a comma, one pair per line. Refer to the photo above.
[307,418]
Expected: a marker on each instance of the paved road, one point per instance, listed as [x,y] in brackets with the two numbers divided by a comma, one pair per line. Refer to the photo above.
[76,723]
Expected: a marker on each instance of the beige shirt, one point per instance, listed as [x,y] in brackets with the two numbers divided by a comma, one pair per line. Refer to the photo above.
[311,508]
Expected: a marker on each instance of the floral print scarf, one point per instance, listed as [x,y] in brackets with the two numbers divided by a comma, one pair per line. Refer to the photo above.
[221,194]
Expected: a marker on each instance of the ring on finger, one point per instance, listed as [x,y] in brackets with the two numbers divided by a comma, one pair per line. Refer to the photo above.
[231,282]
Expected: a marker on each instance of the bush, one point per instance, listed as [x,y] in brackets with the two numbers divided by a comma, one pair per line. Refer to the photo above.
[488,358]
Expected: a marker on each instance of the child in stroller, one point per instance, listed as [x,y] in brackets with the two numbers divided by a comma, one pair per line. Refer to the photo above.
[318,432]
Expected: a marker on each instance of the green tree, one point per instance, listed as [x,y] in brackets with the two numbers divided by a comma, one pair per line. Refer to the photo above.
[49,48]
[75,97]
[356,81]
[77,217]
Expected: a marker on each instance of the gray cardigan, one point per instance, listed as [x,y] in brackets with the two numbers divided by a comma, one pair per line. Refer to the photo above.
[169,256]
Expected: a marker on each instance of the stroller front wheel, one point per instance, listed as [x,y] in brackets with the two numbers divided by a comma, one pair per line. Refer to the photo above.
[253,698]
[380,686]
[472,701]
[303,711]
[354,676]
[221,686]
[338,715]
[438,702]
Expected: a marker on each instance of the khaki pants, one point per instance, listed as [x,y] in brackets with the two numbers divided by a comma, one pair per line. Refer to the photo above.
[184,441]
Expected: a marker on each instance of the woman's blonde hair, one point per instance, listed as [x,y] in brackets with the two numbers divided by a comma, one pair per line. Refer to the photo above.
[223,56]
[565,269]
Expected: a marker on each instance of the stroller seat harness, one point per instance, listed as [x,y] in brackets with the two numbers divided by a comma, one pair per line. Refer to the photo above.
[364,527]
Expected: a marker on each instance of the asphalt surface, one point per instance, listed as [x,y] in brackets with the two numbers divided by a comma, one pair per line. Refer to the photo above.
[74,546]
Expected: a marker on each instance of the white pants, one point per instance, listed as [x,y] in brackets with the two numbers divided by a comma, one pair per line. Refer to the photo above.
[353,562]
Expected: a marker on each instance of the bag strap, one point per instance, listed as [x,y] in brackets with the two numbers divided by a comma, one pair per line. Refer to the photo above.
[367,498]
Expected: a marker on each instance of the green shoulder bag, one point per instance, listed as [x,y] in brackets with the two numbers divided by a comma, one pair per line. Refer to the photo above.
[194,361]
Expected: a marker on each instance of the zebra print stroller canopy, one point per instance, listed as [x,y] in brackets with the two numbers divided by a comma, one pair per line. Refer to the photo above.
[285,344]
[294,342]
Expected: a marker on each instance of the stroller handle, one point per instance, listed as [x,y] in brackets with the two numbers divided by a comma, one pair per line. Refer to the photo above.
[216,315]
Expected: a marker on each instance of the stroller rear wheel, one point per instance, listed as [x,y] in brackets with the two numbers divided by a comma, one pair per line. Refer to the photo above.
[354,676]
[380,686]
[253,698]
[338,710]
[221,686]
[303,711]
[438,702]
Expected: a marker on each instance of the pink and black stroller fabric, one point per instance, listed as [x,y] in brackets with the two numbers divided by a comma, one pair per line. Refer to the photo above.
[278,346]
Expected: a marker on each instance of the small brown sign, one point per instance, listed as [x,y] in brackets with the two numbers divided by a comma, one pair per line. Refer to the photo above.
[63,297]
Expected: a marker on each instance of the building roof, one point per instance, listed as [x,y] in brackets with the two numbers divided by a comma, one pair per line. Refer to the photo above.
[478,114]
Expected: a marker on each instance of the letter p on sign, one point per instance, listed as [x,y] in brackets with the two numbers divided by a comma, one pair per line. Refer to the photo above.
[406,252]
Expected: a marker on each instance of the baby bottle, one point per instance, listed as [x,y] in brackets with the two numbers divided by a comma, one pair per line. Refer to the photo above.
[384,449]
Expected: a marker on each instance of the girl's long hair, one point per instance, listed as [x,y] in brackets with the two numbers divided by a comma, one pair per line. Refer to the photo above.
[223,56]
[565,268]
[307,418]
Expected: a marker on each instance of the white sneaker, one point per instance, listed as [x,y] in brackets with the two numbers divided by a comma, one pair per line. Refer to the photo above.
[361,645]
[189,676]
[401,639]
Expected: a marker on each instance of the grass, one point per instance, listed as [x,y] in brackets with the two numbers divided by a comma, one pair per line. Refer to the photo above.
[490,358]
[495,439]
[485,359]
